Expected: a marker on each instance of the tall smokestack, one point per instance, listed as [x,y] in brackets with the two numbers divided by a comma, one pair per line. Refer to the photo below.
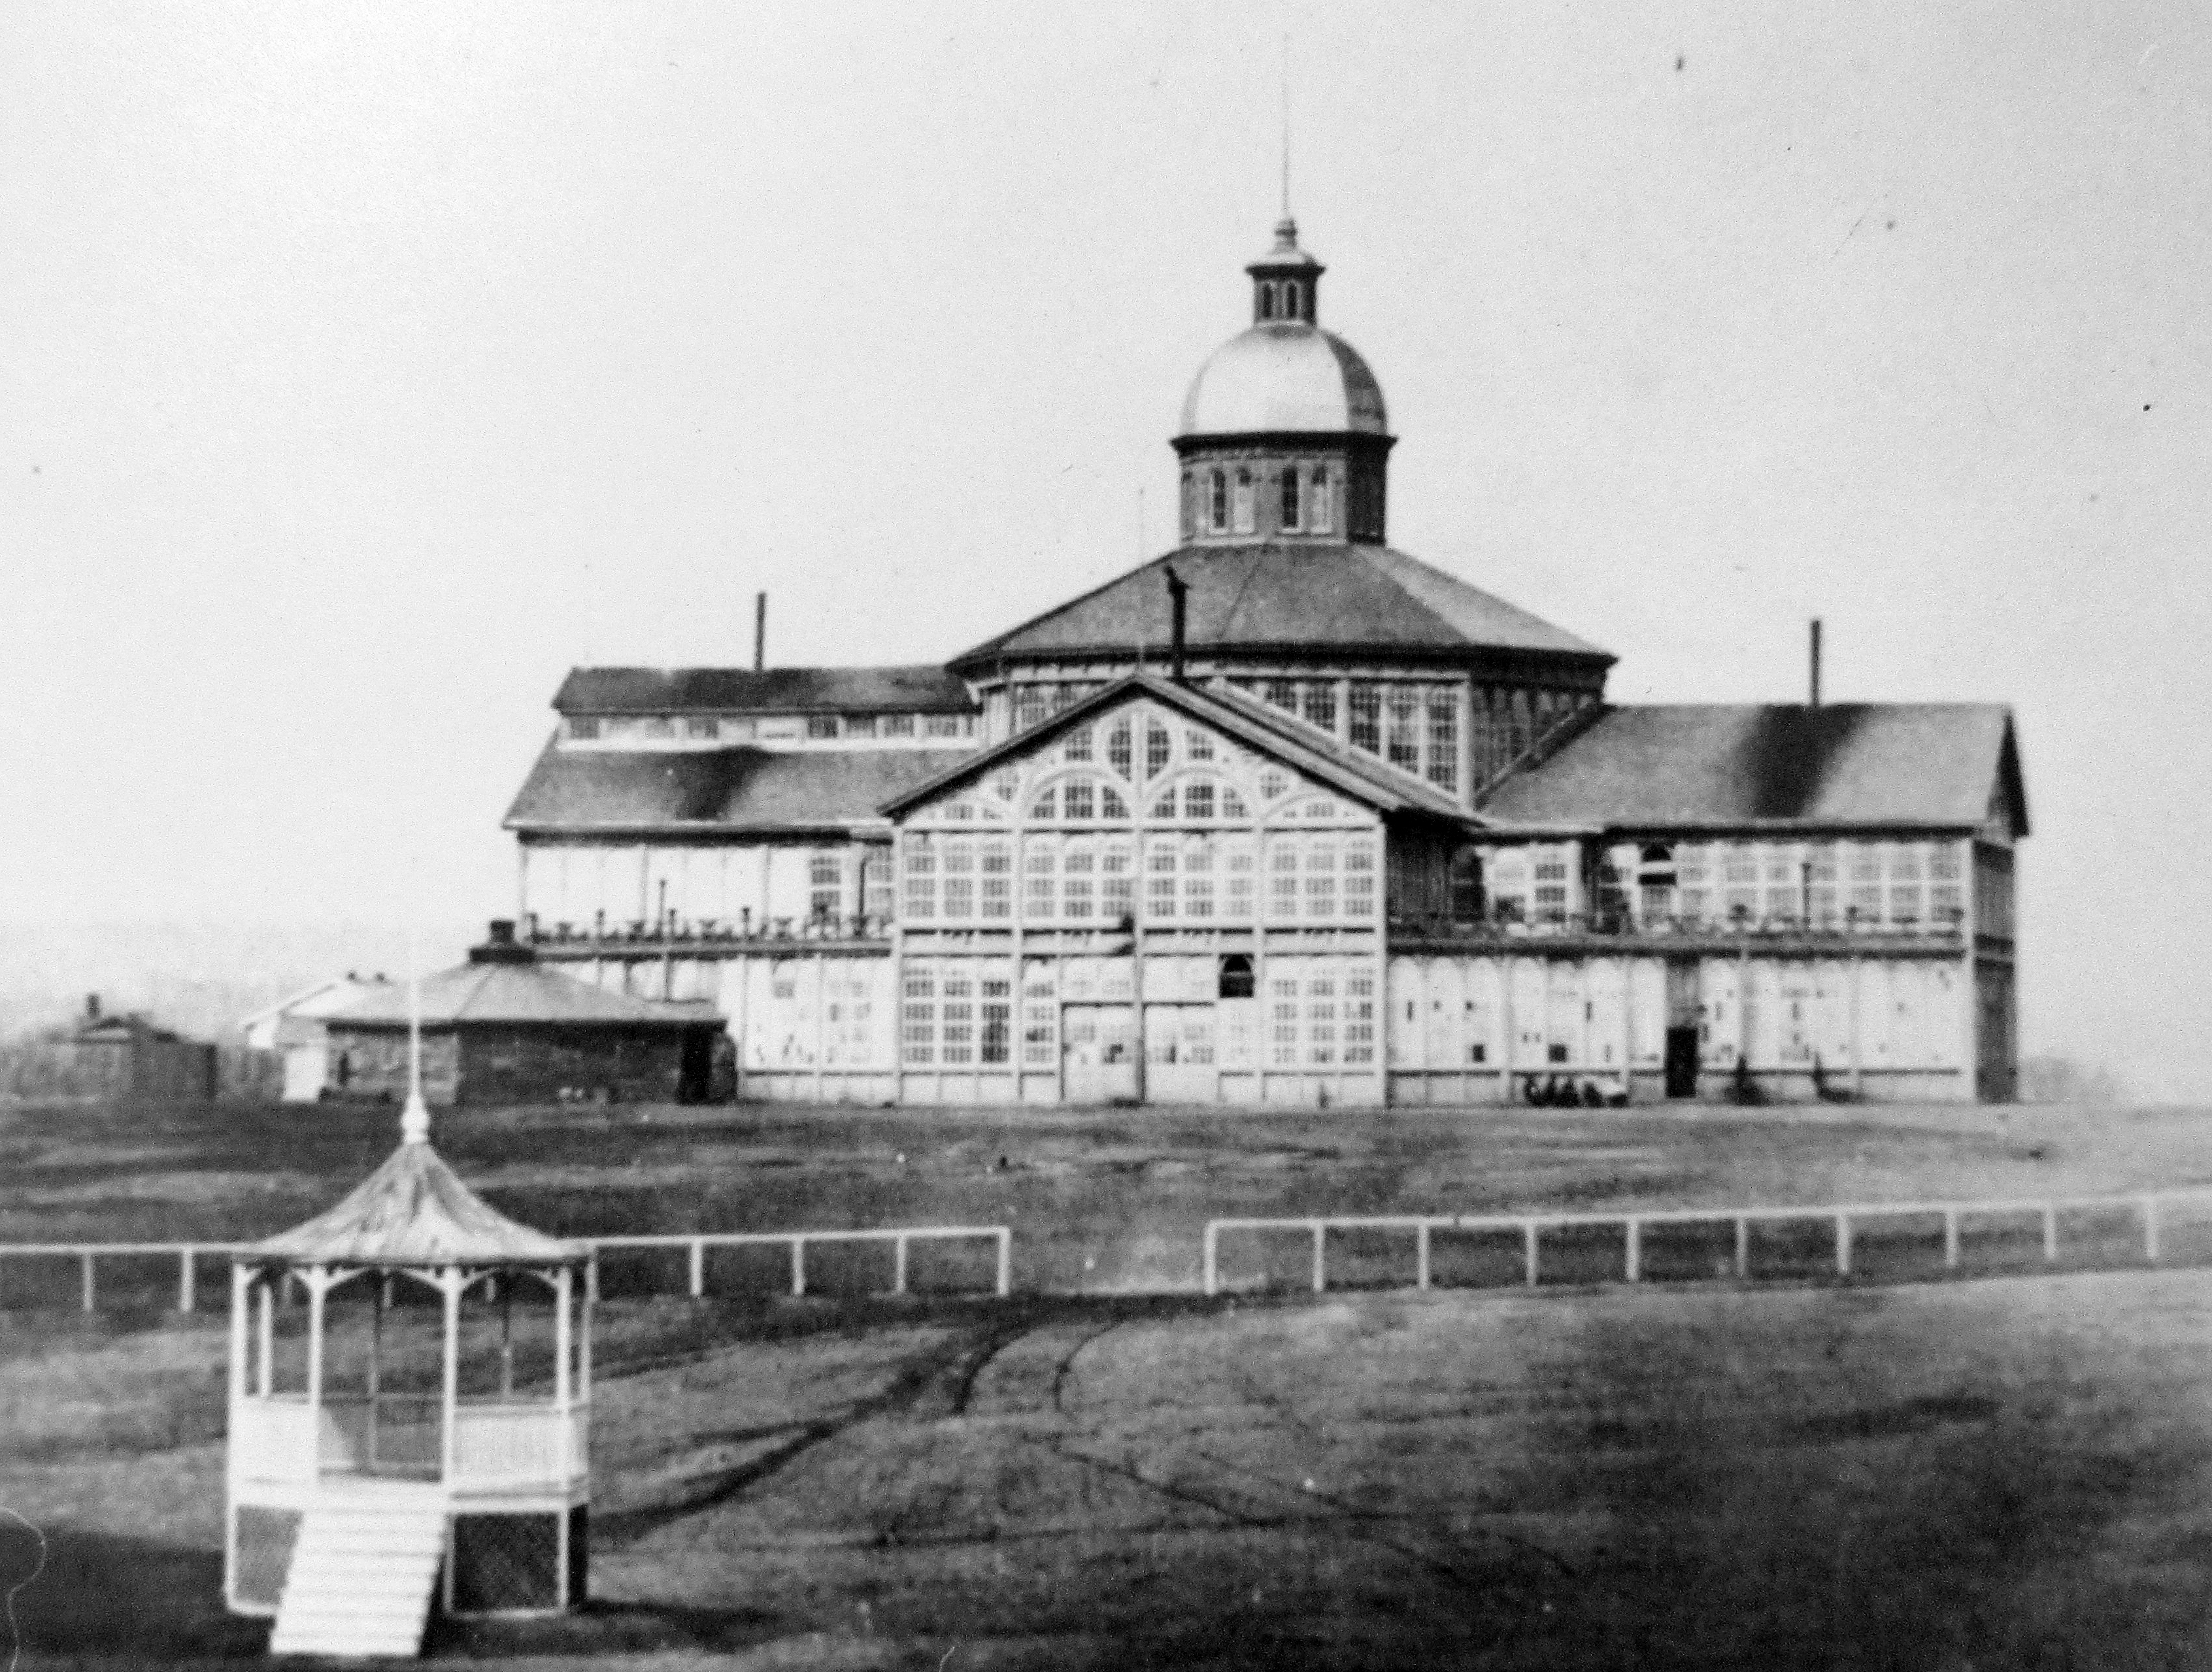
[1178,589]
[760,631]
[1816,661]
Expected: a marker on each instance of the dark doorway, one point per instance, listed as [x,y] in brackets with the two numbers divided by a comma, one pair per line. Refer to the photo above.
[1682,1061]
[695,1074]
[1236,977]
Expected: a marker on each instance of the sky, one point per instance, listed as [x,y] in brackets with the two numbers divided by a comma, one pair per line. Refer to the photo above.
[364,369]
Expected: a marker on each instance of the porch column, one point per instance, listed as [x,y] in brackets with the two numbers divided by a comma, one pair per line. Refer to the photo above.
[449,1288]
[563,1283]
[239,1292]
[268,1334]
[316,1286]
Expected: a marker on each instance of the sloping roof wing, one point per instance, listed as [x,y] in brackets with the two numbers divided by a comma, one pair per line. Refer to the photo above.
[585,790]
[921,687]
[1876,764]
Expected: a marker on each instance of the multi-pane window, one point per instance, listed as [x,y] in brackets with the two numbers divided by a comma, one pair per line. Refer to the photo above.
[1077,882]
[1198,746]
[1551,879]
[1156,747]
[1078,745]
[875,886]
[1236,857]
[1820,884]
[1946,899]
[1359,878]
[1283,879]
[1694,872]
[997,864]
[1116,881]
[1317,703]
[1032,706]
[998,1013]
[1864,902]
[1321,1020]
[920,877]
[1320,893]
[1366,719]
[701,725]
[1739,880]
[1282,693]
[1118,747]
[1404,738]
[958,880]
[1040,860]
[822,726]
[1904,881]
[825,887]
[955,1018]
[1217,501]
[944,726]
[1785,885]
[1443,738]
[918,1018]
[859,726]
[1283,1021]
[1040,1018]
[897,726]
[1198,877]
[1320,503]
[1358,1021]
[1160,877]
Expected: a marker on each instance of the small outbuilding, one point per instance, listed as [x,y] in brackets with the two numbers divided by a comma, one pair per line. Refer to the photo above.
[298,1031]
[503,1028]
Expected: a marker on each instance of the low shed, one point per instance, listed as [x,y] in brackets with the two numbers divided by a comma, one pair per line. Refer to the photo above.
[504,1029]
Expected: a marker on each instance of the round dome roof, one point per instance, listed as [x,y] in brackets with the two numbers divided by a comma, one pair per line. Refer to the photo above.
[1291,377]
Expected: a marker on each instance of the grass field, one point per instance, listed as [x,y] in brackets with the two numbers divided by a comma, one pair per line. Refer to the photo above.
[2011,1472]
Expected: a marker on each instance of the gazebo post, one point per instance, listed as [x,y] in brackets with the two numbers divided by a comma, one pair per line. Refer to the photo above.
[316,1286]
[449,1284]
[561,1345]
[238,1337]
[506,1337]
[375,1353]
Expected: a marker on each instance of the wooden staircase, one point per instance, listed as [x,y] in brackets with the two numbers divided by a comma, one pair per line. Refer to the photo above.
[362,1572]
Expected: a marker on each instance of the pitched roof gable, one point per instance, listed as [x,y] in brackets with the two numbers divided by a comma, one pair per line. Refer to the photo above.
[1237,716]
[1713,766]
[1341,595]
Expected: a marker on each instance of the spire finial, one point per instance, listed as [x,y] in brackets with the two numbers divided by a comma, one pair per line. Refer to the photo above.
[1286,132]
[415,1119]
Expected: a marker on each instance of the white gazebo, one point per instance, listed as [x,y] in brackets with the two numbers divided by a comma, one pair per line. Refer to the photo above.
[417,1430]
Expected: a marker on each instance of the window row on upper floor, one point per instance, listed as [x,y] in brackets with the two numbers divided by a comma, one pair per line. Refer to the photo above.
[763,728]
[1324,877]
[1299,497]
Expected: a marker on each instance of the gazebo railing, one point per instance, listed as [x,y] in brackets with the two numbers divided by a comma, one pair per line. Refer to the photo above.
[514,1444]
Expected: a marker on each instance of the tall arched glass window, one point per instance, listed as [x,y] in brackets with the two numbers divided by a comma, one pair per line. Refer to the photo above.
[1292,520]
[1321,512]
[1267,301]
[1219,510]
[1243,507]
[1291,309]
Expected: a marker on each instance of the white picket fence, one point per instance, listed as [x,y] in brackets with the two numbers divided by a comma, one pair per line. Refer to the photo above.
[87,1256]
[1846,1218]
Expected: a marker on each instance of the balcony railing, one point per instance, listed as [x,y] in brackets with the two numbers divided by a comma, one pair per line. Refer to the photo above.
[1849,929]
[673,932]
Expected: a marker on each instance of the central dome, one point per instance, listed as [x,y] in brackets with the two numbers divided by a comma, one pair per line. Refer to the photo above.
[1283,377]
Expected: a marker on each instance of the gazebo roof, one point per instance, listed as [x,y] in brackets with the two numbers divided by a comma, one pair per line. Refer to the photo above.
[414,1211]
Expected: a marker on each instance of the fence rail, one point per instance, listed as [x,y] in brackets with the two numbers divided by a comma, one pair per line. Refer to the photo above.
[901,1237]
[1846,1218]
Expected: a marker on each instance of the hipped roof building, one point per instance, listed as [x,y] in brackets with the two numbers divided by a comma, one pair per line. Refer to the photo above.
[1284,815]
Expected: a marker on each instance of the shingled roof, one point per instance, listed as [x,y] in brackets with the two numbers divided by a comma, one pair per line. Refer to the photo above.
[1235,716]
[1920,765]
[920,688]
[414,1211]
[508,991]
[1342,597]
[726,789]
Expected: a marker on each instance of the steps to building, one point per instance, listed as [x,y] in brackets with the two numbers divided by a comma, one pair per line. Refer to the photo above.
[362,1573]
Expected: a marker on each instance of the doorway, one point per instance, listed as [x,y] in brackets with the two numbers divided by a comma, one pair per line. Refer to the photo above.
[1682,1061]
[1098,1054]
[1179,1054]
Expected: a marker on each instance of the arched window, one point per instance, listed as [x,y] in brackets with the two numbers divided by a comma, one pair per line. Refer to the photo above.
[1236,977]
[1267,301]
[1219,508]
[1292,306]
[1320,511]
[1189,505]
[1290,500]
[1243,504]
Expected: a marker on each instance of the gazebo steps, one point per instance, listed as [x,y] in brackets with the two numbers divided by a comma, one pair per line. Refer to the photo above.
[362,1574]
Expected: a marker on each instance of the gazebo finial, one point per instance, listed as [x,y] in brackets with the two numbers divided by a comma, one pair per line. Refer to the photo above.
[415,1119]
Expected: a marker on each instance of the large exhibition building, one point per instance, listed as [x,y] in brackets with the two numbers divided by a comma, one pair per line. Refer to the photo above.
[1284,816]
